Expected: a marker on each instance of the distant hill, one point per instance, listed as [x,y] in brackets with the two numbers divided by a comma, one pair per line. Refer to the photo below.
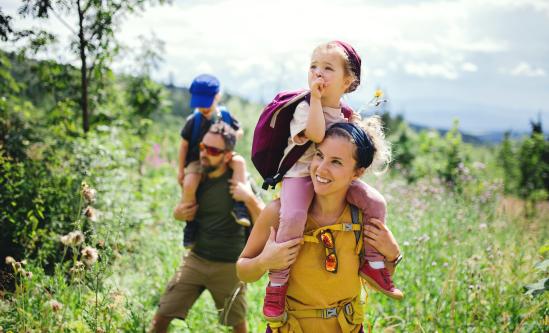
[180,98]
[481,139]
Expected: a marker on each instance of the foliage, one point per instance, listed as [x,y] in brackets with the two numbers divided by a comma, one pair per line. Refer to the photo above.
[93,42]
[465,244]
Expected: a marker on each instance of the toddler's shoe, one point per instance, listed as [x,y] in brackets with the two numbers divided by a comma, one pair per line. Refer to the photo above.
[274,303]
[380,279]
[189,234]
[240,214]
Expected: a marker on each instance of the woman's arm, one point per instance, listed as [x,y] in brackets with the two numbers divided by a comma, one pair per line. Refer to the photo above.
[379,236]
[262,252]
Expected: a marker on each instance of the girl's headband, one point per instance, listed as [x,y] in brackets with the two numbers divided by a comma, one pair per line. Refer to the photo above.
[353,57]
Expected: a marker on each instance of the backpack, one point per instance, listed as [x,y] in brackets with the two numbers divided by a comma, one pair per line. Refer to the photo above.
[225,117]
[271,136]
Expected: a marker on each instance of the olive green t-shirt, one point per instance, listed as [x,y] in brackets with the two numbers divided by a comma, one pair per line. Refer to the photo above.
[219,238]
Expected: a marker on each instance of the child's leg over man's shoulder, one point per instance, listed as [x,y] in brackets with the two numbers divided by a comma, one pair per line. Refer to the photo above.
[238,165]
[193,175]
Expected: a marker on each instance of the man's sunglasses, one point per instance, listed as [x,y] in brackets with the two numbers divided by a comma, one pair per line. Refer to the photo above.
[327,239]
[212,151]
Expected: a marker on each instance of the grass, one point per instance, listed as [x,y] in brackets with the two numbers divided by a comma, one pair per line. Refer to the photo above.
[467,258]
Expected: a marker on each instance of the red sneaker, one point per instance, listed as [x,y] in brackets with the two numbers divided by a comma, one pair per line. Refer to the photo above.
[380,279]
[274,303]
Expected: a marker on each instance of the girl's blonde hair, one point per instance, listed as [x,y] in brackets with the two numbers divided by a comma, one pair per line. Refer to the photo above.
[346,62]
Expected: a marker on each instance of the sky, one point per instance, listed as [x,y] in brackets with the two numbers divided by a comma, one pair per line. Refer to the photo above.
[485,62]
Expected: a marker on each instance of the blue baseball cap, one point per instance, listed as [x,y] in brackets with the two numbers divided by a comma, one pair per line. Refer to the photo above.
[203,91]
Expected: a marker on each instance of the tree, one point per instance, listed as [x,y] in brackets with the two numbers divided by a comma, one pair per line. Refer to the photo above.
[93,41]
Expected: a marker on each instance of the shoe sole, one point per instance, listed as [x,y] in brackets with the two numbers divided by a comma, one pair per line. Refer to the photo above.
[242,222]
[377,287]
[283,318]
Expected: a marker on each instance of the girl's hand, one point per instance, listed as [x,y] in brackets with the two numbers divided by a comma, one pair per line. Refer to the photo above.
[185,211]
[240,191]
[317,87]
[279,255]
[379,236]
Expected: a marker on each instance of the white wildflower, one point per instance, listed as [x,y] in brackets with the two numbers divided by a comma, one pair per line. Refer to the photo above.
[89,255]
[90,213]
[10,260]
[55,305]
[88,193]
[73,238]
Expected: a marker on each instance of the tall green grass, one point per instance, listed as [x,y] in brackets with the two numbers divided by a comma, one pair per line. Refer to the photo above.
[467,256]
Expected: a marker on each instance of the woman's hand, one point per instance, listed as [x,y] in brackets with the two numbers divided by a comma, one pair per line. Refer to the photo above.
[279,255]
[379,236]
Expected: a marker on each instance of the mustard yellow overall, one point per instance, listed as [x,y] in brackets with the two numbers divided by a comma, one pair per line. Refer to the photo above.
[319,301]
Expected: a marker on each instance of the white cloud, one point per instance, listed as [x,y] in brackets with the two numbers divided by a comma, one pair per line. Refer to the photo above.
[525,69]
[423,69]
[469,67]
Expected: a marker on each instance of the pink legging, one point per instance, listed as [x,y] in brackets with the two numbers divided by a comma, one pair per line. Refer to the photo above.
[296,197]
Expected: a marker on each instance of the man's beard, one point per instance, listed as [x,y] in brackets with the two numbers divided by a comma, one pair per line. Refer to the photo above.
[208,168]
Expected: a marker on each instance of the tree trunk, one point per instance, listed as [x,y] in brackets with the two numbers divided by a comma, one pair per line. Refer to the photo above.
[83,70]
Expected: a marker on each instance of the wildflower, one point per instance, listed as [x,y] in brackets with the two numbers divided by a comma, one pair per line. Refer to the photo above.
[77,268]
[89,212]
[77,237]
[101,243]
[10,260]
[479,165]
[434,263]
[88,193]
[445,264]
[378,93]
[89,255]
[55,305]
[73,238]
[482,226]
[423,238]
[406,243]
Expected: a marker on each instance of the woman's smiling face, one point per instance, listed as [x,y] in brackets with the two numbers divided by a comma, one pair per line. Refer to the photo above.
[333,167]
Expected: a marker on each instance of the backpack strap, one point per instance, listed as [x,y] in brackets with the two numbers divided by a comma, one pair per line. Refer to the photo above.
[197,122]
[226,115]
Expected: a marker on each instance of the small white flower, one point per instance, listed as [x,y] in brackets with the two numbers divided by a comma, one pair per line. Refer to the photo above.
[482,226]
[89,255]
[88,193]
[90,213]
[55,305]
[10,260]
[73,238]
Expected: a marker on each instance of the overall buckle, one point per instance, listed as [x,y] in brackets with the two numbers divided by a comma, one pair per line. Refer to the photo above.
[330,312]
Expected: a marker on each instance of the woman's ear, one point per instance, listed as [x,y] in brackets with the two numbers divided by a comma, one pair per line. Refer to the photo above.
[359,172]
